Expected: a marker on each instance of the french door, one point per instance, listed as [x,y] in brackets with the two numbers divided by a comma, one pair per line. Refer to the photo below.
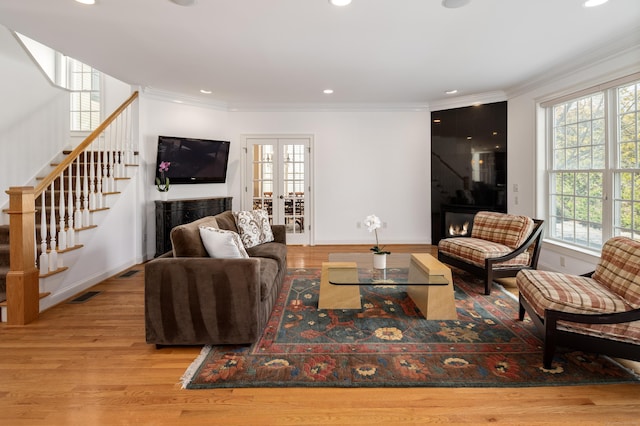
[277,179]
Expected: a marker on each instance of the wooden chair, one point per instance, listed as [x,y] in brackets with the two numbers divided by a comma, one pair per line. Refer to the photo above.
[597,312]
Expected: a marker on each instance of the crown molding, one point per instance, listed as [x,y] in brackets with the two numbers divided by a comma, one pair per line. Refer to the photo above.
[179,98]
[327,107]
[606,52]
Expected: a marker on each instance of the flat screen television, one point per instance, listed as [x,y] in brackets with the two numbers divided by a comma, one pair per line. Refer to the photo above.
[193,160]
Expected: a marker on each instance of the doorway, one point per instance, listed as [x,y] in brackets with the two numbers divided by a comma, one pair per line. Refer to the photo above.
[278,180]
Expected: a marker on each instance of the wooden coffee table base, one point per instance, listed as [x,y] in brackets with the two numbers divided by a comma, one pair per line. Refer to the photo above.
[339,296]
[436,302]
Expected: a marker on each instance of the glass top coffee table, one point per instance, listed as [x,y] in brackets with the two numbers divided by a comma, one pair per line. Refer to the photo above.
[401,269]
[428,281]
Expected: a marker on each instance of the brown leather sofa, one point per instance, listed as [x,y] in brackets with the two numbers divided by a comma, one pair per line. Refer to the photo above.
[193,299]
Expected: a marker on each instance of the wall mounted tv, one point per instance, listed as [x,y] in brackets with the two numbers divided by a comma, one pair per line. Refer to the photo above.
[193,160]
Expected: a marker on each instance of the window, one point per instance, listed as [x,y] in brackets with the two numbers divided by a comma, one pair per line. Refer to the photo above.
[594,172]
[84,83]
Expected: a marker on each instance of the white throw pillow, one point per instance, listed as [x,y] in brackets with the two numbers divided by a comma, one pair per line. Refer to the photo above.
[222,244]
[253,227]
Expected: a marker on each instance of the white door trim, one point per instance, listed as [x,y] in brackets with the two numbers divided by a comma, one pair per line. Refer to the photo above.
[309,200]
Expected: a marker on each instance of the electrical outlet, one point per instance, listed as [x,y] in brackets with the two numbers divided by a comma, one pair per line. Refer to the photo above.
[358,225]
[384,224]
[562,261]
[515,187]
[515,200]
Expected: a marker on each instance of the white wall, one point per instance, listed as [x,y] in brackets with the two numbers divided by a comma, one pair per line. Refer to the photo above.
[367,162]
[164,117]
[32,117]
[526,158]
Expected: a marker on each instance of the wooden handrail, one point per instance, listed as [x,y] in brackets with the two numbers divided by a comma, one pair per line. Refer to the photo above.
[44,184]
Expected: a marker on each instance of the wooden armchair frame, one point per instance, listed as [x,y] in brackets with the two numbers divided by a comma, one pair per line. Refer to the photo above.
[553,336]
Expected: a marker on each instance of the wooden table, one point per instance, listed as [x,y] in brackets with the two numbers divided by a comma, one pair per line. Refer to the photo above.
[428,282]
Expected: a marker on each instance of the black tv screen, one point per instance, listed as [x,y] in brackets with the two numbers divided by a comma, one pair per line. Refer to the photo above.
[193,160]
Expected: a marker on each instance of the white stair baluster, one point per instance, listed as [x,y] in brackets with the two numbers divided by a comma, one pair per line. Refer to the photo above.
[112,182]
[116,153]
[128,156]
[86,217]
[122,146]
[78,213]
[44,256]
[99,172]
[71,233]
[105,165]
[53,253]
[62,235]
[92,181]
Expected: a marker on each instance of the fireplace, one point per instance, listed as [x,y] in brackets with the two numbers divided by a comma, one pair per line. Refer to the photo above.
[468,166]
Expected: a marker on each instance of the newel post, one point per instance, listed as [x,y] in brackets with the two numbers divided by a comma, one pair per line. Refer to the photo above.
[23,295]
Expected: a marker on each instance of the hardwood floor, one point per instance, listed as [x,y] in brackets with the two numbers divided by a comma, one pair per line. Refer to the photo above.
[88,364]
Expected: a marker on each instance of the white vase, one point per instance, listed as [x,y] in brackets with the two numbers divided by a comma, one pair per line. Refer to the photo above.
[164,195]
[379,261]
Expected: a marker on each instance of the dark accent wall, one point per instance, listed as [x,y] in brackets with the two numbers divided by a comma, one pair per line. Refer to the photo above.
[468,161]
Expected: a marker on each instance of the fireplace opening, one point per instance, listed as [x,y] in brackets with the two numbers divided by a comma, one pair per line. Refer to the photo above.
[457,224]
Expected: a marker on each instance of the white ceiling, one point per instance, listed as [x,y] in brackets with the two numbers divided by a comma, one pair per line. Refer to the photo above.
[394,52]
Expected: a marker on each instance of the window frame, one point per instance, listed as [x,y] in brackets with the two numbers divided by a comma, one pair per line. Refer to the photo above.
[74,113]
[611,168]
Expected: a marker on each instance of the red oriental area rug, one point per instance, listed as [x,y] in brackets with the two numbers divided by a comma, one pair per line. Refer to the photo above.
[388,343]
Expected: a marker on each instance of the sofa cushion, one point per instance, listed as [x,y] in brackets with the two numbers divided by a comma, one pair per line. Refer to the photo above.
[226,220]
[222,244]
[567,293]
[186,241]
[619,268]
[273,250]
[506,229]
[475,251]
[268,273]
[254,227]
[583,295]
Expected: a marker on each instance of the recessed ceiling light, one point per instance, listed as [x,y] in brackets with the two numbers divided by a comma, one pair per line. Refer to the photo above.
[86,1]
[327,91]
[340,2]
[206,92]
[184,2]
[454,4]
[451,92]
[594,3]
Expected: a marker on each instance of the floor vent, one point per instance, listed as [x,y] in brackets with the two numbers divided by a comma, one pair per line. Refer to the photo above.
[84,297]
[129,273]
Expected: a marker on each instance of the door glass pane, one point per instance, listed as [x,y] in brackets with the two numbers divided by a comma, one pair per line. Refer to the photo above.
[293,187]
[263,178]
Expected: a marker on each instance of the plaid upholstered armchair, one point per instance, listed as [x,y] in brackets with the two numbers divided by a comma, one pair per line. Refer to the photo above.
[500,245]
[598,312]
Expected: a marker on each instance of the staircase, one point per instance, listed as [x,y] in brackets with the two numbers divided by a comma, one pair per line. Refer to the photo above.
[49,221]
